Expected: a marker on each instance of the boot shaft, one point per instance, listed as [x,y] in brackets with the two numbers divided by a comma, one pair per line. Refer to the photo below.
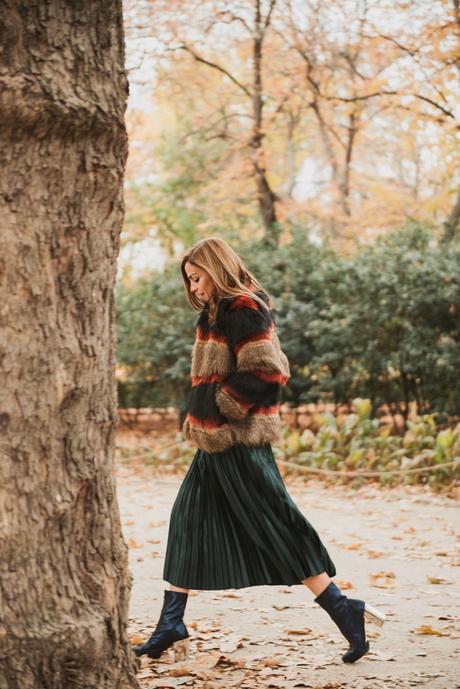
[173,609]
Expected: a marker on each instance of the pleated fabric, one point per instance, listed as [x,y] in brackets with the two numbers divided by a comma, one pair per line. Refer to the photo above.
[233,524]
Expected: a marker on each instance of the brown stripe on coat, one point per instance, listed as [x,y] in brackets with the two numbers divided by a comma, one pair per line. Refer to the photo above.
[209,358]
[229,406]
[258,429]
[217,440]
[263,356]
[286,370]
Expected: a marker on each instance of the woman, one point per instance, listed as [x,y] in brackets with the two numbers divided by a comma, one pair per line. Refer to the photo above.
[233,523]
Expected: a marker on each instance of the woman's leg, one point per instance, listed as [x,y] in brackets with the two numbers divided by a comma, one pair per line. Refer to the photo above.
[176,588]
[318,583]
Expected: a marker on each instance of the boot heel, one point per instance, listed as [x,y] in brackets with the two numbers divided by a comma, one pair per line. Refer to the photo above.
[180,650]
[372,614]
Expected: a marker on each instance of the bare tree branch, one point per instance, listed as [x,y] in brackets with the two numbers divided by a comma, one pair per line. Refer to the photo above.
[376,94]
[269,15]
[227,14]
[216,66]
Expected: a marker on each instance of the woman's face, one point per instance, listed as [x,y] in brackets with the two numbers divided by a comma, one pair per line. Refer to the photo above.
[200,281]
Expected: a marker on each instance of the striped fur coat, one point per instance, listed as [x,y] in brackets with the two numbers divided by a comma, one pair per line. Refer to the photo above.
[238,370]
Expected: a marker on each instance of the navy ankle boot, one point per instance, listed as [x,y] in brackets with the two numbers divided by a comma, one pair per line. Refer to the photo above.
[349,615]
[170,630]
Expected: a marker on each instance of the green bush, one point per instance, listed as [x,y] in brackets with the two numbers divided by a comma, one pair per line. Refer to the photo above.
[357,443]
[382,324]
[155,340]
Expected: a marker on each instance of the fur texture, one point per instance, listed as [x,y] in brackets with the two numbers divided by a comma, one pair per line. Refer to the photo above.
[238,370]
[229,406]
[211,357]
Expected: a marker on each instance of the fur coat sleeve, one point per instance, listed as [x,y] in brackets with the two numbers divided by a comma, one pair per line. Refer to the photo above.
[260,367]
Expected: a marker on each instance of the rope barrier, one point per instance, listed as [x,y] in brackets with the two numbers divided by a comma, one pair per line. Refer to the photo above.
[317,470]
[334,472]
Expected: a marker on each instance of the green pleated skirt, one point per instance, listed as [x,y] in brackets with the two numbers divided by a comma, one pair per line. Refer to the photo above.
[233,524]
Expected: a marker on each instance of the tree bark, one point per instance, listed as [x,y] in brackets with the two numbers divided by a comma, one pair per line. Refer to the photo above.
[64,583]
[265,195]
[452,224]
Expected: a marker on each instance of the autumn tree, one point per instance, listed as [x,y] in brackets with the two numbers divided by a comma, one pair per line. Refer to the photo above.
[247,107]
[382,97]
[427,47]
[348,113]
[64,583]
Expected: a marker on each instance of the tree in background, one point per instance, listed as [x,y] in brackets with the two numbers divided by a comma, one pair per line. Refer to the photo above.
[223,107]
[253,96]
[64,583]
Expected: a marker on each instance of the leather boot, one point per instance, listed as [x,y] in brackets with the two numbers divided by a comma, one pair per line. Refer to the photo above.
[349,614]
[170,629]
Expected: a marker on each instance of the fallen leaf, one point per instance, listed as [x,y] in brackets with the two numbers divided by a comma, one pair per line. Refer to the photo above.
[383,580]
[353,546]
[375,553]
[181,670]
[280,607]
[438,580]
[280,683]
[272,662]
[344,585]
[427,629]
[132,543]
[300,632]
[230,644]
[208,660]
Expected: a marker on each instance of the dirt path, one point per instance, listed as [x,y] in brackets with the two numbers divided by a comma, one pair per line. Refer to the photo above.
[398,549]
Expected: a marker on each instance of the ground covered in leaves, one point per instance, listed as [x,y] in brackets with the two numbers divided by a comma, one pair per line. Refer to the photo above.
[396,548]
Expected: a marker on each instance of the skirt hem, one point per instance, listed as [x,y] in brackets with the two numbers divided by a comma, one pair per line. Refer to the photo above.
[250,585]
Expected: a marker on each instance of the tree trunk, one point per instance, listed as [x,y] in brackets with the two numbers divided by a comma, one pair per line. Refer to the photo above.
[64,583]
[265,195]
[452,224]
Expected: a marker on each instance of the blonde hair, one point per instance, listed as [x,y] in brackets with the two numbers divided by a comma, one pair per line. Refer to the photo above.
[226,269]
